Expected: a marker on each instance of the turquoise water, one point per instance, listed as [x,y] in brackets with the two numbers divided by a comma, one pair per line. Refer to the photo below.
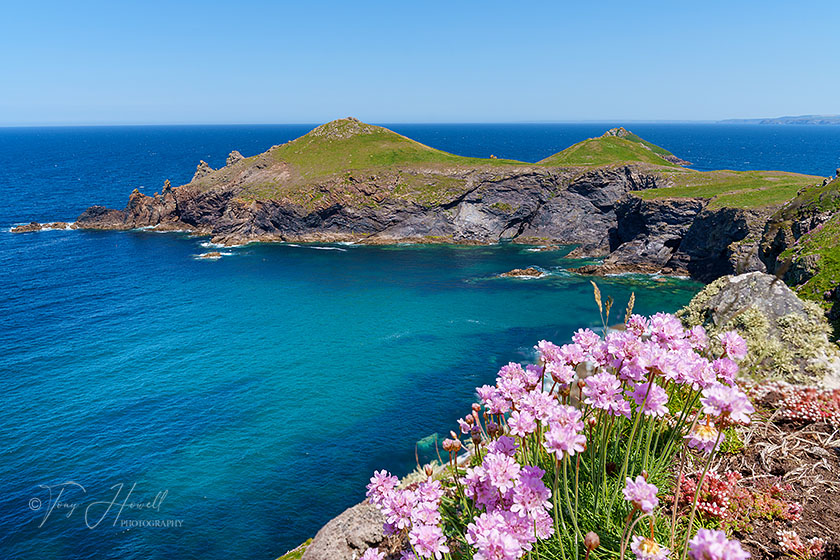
[259,390]
[246,400]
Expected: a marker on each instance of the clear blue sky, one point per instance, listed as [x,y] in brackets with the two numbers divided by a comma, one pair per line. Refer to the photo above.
[425,61]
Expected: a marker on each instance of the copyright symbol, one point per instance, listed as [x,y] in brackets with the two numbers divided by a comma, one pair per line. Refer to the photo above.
[34,504]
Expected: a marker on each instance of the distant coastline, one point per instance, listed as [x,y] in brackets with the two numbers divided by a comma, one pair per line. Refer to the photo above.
[801,119]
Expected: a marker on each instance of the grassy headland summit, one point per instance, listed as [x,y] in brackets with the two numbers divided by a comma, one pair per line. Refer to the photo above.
[616,197]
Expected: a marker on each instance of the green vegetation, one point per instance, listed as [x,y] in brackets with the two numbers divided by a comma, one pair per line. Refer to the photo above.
[607,150]
[347,144]
[297,553]
[732,189]
[817,256]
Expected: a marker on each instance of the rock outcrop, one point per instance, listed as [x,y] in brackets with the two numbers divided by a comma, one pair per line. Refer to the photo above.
[787,337]
[202,170]
[35,226]
[529,272]
[349,535]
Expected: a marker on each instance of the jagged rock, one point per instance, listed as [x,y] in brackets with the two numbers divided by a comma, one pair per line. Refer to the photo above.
[202,170]
[210,255]
[35,226]
[788,338]
[529,272]
[347,536]
[233,158]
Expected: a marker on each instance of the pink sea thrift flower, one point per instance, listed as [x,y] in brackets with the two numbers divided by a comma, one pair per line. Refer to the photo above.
[665,328]
[531,494]
[541,404]
[733,345]
[425,513]
[698,338]
[561,373]
[493,539]
[648,549]
[372,554]
[382,484]
[727,404]
[726,370]
[703,436]
[565,436]
[397,508]
[657,398]
[603,390]
[501,471]
[428,541]
[586,339]
[710,544]
[505,445]
[571,355]
[641,494]
[548,351]
[637,325]
[522,423]
[430,491]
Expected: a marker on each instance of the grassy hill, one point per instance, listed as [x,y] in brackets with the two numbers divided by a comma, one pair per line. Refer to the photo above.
[732,189]
[609,150]
[348,144]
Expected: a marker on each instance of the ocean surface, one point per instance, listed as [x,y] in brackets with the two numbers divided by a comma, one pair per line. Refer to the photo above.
[158,406]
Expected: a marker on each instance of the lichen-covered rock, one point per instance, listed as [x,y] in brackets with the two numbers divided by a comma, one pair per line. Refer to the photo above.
[788,338]
[348,536]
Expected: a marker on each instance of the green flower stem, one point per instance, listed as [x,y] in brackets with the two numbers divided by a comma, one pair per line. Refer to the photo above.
[632,437]
[697,494]
[572,511]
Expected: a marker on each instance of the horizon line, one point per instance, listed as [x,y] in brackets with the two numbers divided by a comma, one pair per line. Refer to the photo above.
[383,123]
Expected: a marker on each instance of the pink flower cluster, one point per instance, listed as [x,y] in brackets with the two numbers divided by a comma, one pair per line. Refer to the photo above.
[641,494]
[709,544]
[515,501]
[522,417]
[414,510]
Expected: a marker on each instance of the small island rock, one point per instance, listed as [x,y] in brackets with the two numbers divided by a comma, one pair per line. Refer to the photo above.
[529,272]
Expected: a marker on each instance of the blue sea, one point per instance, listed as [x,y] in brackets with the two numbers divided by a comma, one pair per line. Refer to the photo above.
[159,406]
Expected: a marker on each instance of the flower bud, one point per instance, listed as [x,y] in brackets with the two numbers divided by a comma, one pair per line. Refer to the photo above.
[429,471]
[452,435]
[451,445]
[469,420]
[645,475]
[476,407]
[475,433]
[581,384]
[493,429]
[591,541]
[592,421]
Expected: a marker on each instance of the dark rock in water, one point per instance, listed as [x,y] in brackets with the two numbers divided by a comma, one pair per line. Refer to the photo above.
[529,272]
[202,170]
[787,337]
[35,226]
[349,535]
[233,158]
[210,255]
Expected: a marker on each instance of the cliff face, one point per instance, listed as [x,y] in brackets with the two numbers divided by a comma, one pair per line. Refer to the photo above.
[552,205]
